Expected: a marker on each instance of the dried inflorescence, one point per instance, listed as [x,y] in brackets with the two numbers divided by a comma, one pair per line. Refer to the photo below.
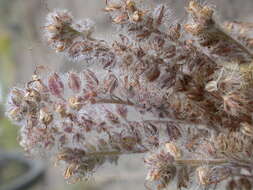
[180,93]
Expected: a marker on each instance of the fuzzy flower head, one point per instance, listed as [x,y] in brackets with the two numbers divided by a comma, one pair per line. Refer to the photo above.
[161,168]
[61,30]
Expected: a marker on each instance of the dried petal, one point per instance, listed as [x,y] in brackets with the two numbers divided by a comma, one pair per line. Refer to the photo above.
[91,79]
[110,84]
[55,85]
[74,82]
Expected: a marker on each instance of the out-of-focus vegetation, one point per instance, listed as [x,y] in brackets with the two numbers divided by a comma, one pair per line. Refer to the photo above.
[8,133]
[10,171]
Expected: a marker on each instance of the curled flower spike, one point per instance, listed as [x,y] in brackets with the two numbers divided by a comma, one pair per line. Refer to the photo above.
[212,38]
[81,120]
[58,30]
[73,38]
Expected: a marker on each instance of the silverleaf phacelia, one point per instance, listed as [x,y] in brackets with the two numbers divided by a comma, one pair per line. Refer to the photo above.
[180,92]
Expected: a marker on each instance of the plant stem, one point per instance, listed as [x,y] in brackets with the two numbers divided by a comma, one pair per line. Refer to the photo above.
[201,162]
[111,153]
[113,101]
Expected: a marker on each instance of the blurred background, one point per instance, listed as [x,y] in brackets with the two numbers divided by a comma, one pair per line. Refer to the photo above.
[22,48]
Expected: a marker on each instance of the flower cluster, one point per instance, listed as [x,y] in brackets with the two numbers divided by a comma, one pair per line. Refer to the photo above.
[182,94]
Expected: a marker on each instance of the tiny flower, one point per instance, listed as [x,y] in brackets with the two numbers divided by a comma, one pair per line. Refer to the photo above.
[131,5]
[32,95]
[245,183]
[161,171]
[58,29]
[17,96]
[137,16]
[247,129]
[211,86]
[15,114]
[173,150]
[61,109]
[235,104]
[45,116]
[75,102]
